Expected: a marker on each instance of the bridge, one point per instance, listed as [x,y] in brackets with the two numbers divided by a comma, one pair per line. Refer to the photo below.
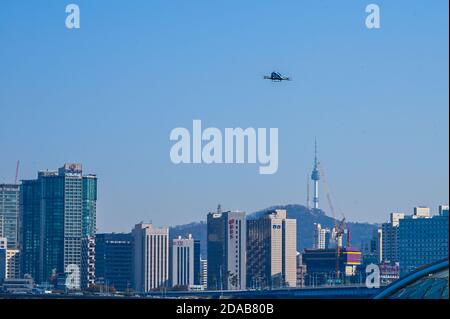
[329,292]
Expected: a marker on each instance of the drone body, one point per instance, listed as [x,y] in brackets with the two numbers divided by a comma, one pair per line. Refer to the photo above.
[277,77]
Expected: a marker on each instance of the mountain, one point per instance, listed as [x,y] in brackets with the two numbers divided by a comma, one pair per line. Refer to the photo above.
[360,232]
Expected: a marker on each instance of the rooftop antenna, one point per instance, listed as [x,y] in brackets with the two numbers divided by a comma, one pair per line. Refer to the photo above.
[307,192]
[17,172]
[219,209]
[315,151]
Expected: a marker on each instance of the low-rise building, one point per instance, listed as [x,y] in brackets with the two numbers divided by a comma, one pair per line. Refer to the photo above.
[325,266]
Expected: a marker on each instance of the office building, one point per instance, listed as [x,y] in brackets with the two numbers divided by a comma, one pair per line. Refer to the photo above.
[12,263]
[421,212]
[197,265]
[322,237]
[9,214]
[9,261]
[183,261]
[150,257]
[113,260]
[319,236]
[58,210]
[3,244]
[226,238]
[271,251]
[443,210]
[301,271]
[422,240]
[87,262]
[378,238]
[89,224]
[389,238]
[204,273]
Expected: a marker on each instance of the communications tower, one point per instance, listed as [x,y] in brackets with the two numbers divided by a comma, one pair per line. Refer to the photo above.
[315,177]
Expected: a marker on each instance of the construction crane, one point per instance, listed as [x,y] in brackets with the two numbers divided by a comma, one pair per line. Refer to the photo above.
[339,228]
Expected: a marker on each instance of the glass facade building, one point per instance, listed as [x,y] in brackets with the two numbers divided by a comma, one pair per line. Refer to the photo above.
[2,264]
[3,243]
[113,260]
[9,214]
[30,206]
[58,210]
[422,241]
[197,266]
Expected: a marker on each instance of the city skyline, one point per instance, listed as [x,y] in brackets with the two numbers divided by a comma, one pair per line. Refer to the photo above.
[376,100]
[58,247]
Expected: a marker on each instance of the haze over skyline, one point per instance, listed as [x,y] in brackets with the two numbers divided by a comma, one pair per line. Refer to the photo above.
[108,95]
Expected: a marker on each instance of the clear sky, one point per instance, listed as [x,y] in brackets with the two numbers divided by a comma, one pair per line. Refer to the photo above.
[108,94]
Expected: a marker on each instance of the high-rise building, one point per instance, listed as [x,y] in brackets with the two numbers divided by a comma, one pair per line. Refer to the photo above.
[325,238]
[89,223]
[87,262]
[204,273]
[3,244]
[32,226]
[422,240]
[197,265]
[271,251]
[183,261]
[321,236]
[226,233]
[9,214]
[12,263]
[9,261]
[389,238]
[378,238]
[150,257]
[58,210]
[113,260]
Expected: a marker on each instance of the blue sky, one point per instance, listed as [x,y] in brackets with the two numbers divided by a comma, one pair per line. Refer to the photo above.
[108,95]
